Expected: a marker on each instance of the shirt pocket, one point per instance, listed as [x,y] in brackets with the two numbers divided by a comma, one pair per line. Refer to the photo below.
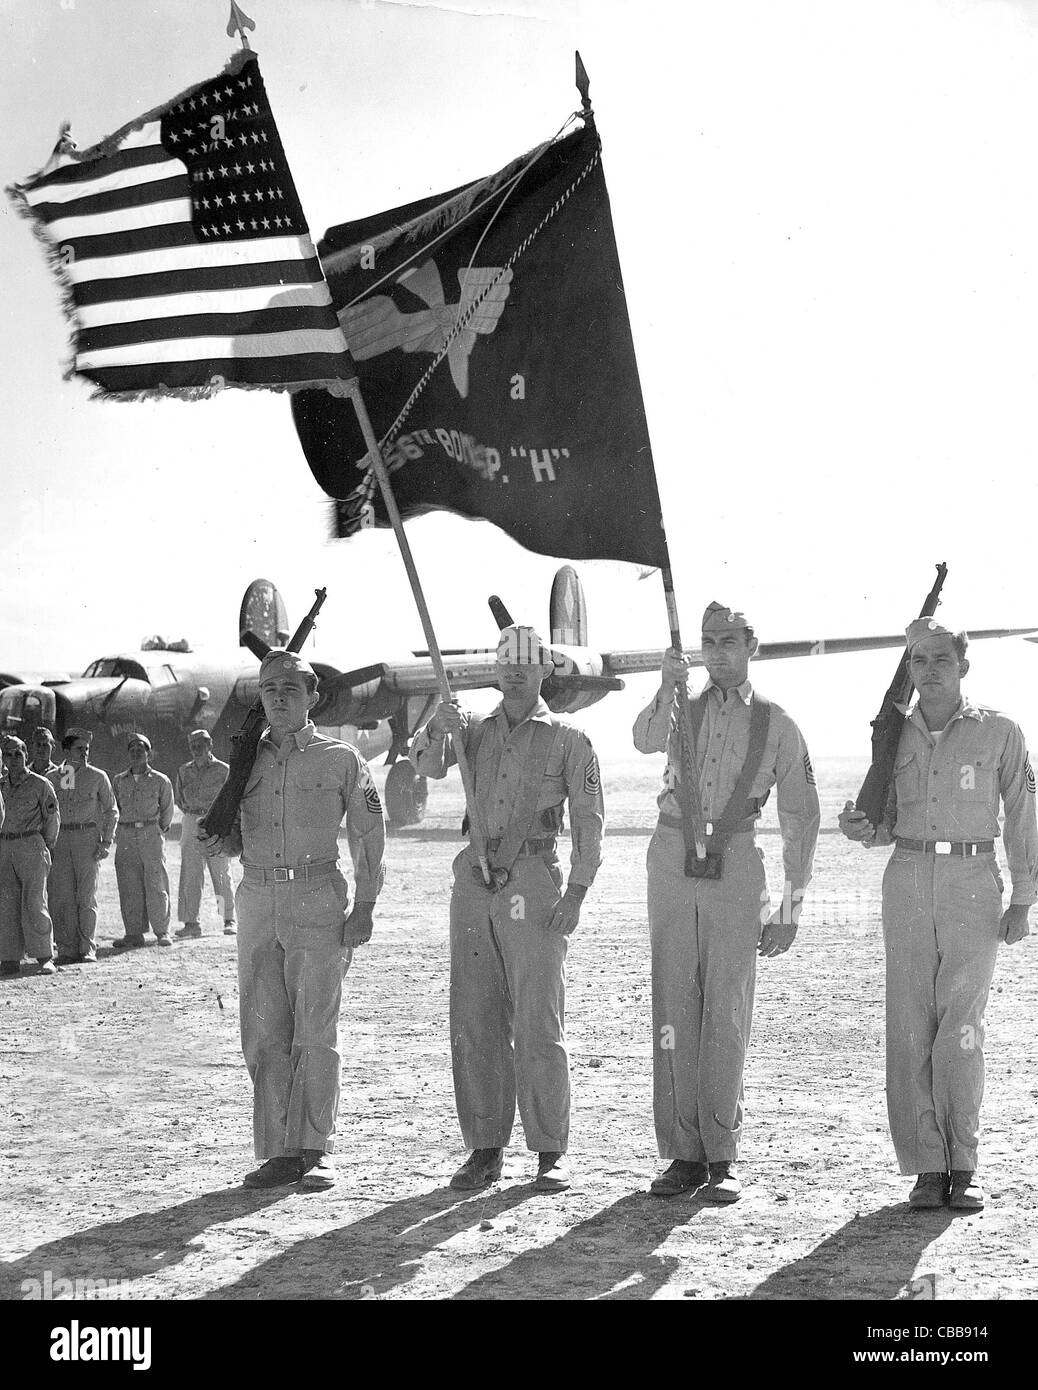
[318,801]
[908,780]
[320,902]
[973,781]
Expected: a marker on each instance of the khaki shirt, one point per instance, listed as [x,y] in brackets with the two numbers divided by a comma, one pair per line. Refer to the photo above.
[947,787]
[196,789]
[572,774]
[151,798]
[295,800]
[31,806]
[721,750]
[86,797]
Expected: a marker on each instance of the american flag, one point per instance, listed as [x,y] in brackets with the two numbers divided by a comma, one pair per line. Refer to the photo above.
[184,251]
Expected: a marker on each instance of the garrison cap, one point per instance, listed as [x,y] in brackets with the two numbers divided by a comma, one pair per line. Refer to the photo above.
[919,628]
[84,734]
[280,662]
[520,646]
[199,734]
[10,743]
[41,731]
[717,618]
[142,739]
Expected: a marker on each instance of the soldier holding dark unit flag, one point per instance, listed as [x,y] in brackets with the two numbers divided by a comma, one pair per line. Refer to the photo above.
[706,931]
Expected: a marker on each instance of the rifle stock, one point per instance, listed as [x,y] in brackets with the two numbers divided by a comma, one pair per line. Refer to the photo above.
[888,723]
[220,817]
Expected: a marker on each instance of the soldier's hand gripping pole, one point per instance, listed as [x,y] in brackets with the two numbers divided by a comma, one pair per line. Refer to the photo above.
[887,725]
[477,834]
[219,819]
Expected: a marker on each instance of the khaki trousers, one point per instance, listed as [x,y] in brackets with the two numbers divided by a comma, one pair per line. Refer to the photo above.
[23,911]
[193,862]
[72,891]
[140,871]
[291,965]
[940,929]
[508,1007]
[704,935]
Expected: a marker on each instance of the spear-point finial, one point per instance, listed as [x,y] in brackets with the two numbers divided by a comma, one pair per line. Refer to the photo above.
[239,22]
[583,87]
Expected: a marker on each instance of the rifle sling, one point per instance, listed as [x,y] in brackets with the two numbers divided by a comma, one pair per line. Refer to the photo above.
[740,806]
[542,745]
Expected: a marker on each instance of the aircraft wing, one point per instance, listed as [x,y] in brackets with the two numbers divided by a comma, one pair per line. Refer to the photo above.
[631,662]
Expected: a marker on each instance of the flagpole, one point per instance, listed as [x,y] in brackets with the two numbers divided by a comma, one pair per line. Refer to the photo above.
[689,770]
[477,835]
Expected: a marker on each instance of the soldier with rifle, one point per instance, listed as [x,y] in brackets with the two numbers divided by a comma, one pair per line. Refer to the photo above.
[710,914]
[288,791]
[939,771]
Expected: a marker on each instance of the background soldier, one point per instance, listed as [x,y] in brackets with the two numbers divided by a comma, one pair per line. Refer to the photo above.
[508,943]
[88,820]
[30,830]
[705,933]
[197,785]
[41,751]
[296,940]
[942,910]
[145,801]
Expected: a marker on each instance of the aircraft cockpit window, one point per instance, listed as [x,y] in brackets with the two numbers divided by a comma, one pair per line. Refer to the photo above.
[162,675]
[131,670]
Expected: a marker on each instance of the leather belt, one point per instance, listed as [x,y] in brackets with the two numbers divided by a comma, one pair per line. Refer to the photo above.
[741,827]
[528,847]
[305,872]
[19,834]
[964,849]
[135,824]
[79,825]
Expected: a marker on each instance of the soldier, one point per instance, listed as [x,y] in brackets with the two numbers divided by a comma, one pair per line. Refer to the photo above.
[509,941]
[197,786]
[88,819]
[706,932]
[297,937]
[41,751]
[942,910]
[30,830]
[145,801]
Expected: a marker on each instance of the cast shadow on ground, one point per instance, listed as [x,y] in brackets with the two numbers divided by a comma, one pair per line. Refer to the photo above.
[136,1246]
[613,1255]
[376,1254]
[873,1256]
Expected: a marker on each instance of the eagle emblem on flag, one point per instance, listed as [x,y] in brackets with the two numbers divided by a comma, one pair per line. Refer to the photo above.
[376,325]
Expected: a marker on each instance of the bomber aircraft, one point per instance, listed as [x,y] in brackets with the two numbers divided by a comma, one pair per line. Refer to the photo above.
[165,690]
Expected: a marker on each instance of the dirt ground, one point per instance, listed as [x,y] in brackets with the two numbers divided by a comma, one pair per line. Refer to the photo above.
[125,1122]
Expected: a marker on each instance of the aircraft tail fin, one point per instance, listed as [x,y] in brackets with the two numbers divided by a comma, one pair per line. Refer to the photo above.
[262,619]
[567,609]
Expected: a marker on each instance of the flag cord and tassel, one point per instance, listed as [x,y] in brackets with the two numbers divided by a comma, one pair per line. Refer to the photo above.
[477,835]
[692,818]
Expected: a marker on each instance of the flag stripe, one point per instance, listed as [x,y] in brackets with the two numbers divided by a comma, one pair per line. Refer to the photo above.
[271,319]
[191,349]
[175,259]
[127,156]
[173,184]
[127,219]
[233,300]
[256,371]
[201,278]
[131,249]
[50,195]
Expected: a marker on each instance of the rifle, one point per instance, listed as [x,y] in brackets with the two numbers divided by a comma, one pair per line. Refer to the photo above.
[887,725]
[219,819]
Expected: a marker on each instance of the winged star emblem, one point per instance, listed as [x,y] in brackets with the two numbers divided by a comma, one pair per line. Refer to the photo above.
[376,325]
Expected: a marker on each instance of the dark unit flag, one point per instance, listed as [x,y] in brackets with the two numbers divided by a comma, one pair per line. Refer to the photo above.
[184,253]
[490,331]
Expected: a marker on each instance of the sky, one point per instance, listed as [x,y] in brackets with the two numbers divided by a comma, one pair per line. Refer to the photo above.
[827,220]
